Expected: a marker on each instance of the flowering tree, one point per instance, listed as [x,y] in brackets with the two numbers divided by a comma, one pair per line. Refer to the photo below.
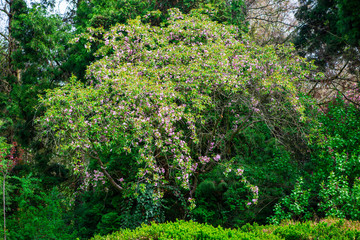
[175,97]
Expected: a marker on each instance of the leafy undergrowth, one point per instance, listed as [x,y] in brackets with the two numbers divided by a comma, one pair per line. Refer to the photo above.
[325,229]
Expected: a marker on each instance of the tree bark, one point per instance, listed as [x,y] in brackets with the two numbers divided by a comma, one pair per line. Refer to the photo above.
[4,205]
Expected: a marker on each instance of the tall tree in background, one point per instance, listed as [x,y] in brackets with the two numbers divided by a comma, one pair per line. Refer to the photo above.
[329,33]
[10,75]
[10,9]
[42,56]
[33,58]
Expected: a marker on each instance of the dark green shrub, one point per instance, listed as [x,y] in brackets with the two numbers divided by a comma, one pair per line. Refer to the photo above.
[39,215]
[268,165]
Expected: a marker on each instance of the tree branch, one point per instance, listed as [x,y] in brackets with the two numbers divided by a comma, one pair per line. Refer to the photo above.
[103,169]
[4,36]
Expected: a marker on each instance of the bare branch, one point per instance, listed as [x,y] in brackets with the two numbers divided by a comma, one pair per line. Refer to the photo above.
[4,36]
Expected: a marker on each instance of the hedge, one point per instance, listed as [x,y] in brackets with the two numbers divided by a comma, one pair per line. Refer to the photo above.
[182,230]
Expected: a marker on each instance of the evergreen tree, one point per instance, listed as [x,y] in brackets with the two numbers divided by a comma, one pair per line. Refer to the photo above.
[329,32]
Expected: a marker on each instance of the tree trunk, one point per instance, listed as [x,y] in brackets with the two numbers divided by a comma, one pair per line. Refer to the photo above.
[4,205]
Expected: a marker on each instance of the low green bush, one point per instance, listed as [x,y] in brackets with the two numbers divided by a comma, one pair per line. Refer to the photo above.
[185,230]
[325,229]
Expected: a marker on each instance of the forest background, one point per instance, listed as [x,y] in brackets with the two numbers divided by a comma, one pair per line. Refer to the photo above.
[123,112]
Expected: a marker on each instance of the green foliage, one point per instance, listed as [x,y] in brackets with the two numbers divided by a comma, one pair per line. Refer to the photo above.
[36,60]
[337,147]
[325,229]
[274,168]
[105,14]
[329,30]
[37,215]
[223,11]
[348,23]
[4,152]
[10,200]
[109,223]
[99,212]
[331,176]
[266,164]
[224,199]
[295,206]
[87,213]
[338,199]
[42,47]
[41,61]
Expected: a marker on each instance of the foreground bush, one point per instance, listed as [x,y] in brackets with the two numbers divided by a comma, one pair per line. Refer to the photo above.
[325,229]
[185,230]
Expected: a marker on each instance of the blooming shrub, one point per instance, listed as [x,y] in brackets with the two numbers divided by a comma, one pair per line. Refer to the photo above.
[175,97]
